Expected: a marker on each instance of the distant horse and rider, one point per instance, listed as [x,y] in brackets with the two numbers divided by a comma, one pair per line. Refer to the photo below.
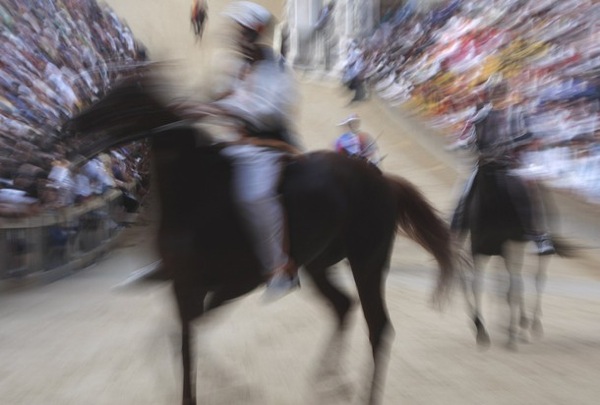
[355,143]
[199,15]
[337,208]
[500,206]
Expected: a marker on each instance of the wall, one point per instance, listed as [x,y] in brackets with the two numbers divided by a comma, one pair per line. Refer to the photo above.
[54,244]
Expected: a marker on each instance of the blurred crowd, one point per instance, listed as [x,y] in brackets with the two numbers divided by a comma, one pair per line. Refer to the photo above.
[58,56]
[438,63]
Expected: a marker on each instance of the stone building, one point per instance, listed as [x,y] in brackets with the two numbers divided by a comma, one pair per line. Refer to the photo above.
[315,46]
[312,46]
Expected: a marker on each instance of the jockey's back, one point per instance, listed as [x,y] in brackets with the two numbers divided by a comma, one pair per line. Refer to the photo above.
[497,134]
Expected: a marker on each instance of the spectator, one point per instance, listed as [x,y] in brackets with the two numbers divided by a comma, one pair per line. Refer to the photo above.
[99,177]
[61,180]
[82,190]
[55,61]
[354,74]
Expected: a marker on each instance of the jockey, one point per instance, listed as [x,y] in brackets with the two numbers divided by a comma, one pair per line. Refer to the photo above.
[499,130]
[263,99]
[356,143]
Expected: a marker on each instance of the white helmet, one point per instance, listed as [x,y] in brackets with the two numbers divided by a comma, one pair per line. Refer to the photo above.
[249,14]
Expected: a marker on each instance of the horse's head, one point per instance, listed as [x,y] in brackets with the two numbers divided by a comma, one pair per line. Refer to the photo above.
[129,111]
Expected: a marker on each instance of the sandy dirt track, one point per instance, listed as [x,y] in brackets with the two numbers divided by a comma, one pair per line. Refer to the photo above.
[85,340]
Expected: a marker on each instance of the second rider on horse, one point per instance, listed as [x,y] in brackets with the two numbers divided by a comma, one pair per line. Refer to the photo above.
[498,131]
[356,143]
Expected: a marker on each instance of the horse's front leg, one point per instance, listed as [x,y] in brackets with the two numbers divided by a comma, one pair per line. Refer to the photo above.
[189,376]
[540,282]
[514,263]
[190,305]
[481,335]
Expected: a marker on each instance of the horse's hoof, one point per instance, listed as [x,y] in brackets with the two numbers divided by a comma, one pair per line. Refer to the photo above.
[524,336]
[537,330]
[483,339]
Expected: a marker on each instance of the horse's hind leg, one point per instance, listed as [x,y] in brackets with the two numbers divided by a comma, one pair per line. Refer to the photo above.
[514,263]
[340,302]
[482,337]
[540,282]
[369,277]
[341,305]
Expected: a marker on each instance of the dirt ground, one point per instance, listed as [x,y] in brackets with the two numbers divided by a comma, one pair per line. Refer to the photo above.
[88,339]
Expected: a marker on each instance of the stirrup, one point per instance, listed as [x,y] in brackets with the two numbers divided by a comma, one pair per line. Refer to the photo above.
[544,246]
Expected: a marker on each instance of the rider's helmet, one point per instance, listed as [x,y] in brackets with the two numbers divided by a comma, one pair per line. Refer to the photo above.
[249,15]
[252,19]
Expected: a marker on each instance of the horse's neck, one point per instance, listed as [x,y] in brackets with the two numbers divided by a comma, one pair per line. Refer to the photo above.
[173,140]
[189,177]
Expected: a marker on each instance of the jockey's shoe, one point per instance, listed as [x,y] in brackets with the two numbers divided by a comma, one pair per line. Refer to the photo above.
[279,286]
[544,246]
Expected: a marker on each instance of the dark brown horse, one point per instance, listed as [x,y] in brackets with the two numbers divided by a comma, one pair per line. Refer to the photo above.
[337,208]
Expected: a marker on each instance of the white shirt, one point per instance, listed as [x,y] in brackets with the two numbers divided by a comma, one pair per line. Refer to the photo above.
[265,97]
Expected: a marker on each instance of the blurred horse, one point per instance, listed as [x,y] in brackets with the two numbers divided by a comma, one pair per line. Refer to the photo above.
[336,207]
[492,222]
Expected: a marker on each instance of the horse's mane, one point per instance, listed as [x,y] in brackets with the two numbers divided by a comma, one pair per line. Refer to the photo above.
[128,99]
[135,108]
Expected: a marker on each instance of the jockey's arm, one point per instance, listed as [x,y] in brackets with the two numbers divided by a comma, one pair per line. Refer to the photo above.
[199,111]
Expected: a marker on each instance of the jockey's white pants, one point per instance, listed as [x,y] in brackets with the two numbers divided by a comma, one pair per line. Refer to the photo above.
[256,174]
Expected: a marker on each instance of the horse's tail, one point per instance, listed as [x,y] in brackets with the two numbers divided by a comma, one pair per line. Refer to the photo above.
[422,223]
[564,248]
